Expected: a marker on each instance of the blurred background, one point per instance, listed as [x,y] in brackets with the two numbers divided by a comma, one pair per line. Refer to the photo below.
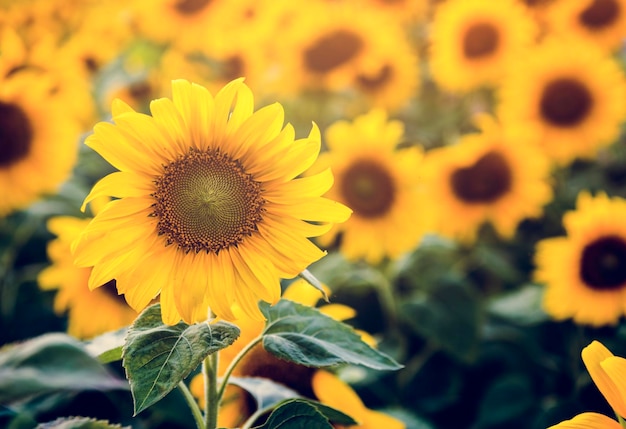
[479,143]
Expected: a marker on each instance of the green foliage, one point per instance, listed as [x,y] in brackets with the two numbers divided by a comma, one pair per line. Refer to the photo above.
[157,356]
[301,413]
[108,347]
[79,423]
[47,364]
[303,335]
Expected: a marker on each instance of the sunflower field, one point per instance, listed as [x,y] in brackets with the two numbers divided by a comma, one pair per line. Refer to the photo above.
[390,214]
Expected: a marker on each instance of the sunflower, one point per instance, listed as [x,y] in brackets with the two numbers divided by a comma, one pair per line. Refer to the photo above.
[494,176]
[209,214]
[585,271]
[309,382]
[326,45]
[601,21]
[474,42]
[570,94]
[608,372]
[379,182]
[38,141]
[73,296]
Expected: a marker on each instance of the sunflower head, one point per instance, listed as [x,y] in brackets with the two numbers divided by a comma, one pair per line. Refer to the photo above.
[210,212]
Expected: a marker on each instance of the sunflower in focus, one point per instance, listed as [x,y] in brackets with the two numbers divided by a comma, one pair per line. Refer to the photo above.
[475,42]
[495,176]
[380,183]
[38,141]
[73,296]
[601,21]
[608,372]
[585,272]
[209,214]
[568,92]
[237,406]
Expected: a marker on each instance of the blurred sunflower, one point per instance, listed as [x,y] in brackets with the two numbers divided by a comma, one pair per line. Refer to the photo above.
[608,372]
[601,21]
[494,176]
[379,182]
[585,272]
[475,42]
[327,45]
[38,141]
[161,21]
[312,383]
[209,214]
[570,94]
[73,296]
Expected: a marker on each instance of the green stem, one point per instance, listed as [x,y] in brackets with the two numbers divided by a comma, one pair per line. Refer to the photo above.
[193,405]
[234,363]
[211,399]
[621,420]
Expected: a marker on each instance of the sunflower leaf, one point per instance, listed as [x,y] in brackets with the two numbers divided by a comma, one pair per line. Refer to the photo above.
[48,364]
[296,414]
[157,356]
[303,335]
[107,347]
[79,423]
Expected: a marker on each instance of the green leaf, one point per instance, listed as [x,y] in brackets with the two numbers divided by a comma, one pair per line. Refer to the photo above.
[50,363]
[450,316]
[296,414]
[265,392]
[157,356]
[79,423]
[107,347]
[303,335]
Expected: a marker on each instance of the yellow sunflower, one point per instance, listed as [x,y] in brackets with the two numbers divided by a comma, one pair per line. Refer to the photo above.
[326,45]
[570,94]
[210,214]
[73,296]
[608,372]
[475,42]
[38,141]
[585,272]
[495,176]
[380,183]
[313,383]
[601,21]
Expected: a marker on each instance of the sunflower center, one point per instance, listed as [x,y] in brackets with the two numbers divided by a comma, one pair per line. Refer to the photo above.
[332,50]
[16,134]
[378,80]
[190,7]
[480,40]
[259,363]
[603,263]
[233,68]
[599,14]
[206,201]
[565,102]
[484,182]
[368,189]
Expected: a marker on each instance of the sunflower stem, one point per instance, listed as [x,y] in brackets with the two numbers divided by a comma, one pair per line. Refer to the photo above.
[193,405]
[233,364]
[212,400]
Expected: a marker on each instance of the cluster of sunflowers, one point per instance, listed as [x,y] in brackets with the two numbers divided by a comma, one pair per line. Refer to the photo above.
[461,195]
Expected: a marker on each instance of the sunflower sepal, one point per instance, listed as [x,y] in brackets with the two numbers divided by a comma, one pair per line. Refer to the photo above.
[299,412]
[157,357]
[305,336]
[307,276]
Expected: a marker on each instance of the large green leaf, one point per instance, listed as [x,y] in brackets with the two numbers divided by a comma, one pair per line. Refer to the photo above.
[50,363]
[303,335]
[296,414]
[79,423]
[157,356]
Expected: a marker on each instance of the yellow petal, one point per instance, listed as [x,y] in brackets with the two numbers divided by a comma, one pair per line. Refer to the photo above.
[588,421]
[331,390]
[593,355]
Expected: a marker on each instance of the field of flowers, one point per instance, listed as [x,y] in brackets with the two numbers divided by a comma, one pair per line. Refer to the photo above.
[405,214]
